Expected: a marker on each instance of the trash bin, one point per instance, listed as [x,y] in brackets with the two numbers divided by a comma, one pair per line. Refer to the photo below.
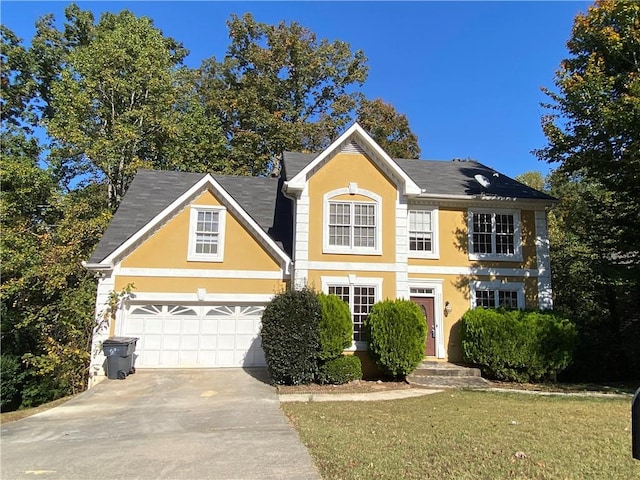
[119,353]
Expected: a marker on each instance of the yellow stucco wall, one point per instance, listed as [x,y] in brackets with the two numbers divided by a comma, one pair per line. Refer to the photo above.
[167,248]
[454,242]
[337,173]
[191,285]
[388,280]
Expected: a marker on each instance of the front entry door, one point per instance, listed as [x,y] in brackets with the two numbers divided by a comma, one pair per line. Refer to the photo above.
[426,305]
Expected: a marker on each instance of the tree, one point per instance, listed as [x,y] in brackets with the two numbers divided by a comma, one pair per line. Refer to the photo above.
[388,128]
[532,179]
[594,130]
[593,135]
[279,88]
[120,101]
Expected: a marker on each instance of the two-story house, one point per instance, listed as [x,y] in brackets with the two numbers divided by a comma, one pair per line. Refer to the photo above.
[205,253]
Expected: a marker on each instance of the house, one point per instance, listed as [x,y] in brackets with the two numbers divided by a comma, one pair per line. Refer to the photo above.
[205,253]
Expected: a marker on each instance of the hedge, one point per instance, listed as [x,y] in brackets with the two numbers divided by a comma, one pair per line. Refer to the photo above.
[396,331]
[343,369]
[515,345]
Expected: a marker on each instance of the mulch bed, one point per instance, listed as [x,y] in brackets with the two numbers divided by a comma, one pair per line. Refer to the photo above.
[357,386]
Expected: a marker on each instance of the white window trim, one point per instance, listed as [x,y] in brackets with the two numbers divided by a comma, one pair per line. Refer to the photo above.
[516,256]
[353,281]
[192,256]
[435,238]
[375,199]
[495,286]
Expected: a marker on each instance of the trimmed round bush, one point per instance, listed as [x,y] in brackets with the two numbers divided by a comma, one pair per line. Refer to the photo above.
[343,369]
[396,332]
[515,345]
[290,337]
[335,327]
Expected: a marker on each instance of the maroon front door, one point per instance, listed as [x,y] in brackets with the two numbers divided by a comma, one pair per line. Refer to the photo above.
[426,305]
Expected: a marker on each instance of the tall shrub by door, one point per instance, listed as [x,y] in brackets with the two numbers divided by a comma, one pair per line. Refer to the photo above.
[396,331]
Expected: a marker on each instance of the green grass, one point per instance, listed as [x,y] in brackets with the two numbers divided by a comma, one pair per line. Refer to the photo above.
[470,435]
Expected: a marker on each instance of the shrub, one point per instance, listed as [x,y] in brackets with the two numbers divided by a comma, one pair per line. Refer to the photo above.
[335,327]
[516,345]
[290,337]
[396,331]
[11,378]
[343,369]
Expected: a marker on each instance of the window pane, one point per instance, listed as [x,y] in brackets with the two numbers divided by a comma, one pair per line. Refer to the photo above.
[508,299]
[339,224]
[363,299]
[340,291]
[207,243]
[420,232]
[481,235]
[364,237]
[505,230]
[485,298]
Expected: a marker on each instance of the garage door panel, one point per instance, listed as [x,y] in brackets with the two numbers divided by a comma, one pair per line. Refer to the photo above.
[172,326]
[189,358]
[189,342]
[171,341]
[151,341]
[191,326]
[153,325]
[226,326]
[188,336]
[208,342]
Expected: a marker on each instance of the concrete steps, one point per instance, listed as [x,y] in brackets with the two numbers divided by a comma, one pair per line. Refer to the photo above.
[446,375]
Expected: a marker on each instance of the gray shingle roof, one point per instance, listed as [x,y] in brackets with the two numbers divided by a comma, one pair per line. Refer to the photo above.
[153,190]
[457,178]
[440,177]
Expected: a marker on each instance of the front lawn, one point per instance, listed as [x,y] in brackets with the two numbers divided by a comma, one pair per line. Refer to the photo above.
[470,435]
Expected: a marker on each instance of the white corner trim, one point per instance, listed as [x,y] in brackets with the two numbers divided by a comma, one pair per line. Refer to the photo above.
[201,273]
[299,180]
[543,257]
[350,250]
[204,182]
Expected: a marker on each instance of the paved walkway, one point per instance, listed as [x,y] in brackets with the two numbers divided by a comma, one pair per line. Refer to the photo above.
[162,424]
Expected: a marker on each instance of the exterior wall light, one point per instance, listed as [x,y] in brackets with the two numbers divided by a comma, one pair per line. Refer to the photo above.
[448,308]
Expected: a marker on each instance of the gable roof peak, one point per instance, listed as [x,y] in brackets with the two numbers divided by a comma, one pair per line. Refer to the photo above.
[355,134]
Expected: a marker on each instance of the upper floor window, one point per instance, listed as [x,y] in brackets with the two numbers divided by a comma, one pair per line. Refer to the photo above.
[206,233]
[494,235]
[497,295]
[423,233]
[352,226]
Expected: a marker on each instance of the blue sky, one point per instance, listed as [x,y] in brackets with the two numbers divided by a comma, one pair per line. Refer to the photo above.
[466,74]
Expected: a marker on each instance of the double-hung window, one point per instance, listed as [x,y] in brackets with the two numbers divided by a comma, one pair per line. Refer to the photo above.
[494,235]
[423,233]
[206,233]
[352,226]
[497,295]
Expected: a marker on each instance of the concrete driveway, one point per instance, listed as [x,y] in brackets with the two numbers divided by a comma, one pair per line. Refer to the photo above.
[173,424]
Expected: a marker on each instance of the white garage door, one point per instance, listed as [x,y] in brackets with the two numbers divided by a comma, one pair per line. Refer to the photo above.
[188,336]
